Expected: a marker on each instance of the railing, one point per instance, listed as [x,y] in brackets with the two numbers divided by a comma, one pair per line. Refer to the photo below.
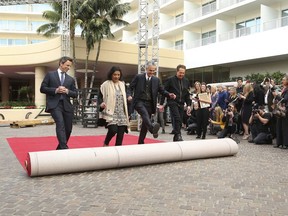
[172,23]
[162,2]
[227,3]
[198,12]
[207,9]
[201,42]
[276,23]
[239,32]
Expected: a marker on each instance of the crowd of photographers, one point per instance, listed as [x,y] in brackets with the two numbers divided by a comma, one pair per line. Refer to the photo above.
[255,111]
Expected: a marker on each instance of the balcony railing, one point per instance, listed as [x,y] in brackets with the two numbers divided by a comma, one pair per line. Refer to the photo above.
[227,3]
[198,12]
[172,23]
[201,42]
[276,23]
[239,32]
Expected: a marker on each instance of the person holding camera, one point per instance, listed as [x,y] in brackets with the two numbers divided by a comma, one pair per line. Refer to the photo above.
[230,119]
[259,126]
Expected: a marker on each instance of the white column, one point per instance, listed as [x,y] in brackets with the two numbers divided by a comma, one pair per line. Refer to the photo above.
[267,15]
[40,99]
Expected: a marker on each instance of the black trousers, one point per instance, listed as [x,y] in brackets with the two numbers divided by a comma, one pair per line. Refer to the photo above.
[63,120]
[228,130]
[144,109]
[112,130]
[177,112]
[281,131]
[202,117]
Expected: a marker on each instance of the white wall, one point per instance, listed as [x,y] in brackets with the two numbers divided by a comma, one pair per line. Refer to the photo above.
[260,45]
[265,67]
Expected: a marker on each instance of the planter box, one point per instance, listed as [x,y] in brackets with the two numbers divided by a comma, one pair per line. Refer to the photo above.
[19,114]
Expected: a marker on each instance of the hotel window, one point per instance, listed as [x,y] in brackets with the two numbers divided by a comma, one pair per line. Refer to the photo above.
[208,37]
[12,25]
[208,7]
[179,45]
[179,19]
[285,17]
[3,42]
[33,41]
[248,27]
[16,42]
[34,25]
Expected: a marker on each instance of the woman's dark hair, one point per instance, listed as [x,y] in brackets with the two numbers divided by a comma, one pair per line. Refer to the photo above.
[112,70]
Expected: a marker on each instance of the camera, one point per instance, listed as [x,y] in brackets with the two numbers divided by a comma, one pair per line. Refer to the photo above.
[267,79]
[255,109]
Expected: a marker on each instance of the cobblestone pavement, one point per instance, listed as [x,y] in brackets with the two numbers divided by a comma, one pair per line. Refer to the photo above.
[254,182]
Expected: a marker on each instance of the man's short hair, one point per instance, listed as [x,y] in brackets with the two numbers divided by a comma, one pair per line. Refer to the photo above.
[239,78]
[180,66]
[150,63]
[64,59]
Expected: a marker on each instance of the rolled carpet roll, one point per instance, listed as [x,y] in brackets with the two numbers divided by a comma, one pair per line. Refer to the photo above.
[89,159]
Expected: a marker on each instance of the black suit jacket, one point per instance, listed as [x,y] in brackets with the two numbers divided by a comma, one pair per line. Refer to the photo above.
[49,85]
[172,85]
[137,88]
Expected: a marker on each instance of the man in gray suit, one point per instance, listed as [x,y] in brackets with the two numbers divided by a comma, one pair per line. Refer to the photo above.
[144,90]
[59,87]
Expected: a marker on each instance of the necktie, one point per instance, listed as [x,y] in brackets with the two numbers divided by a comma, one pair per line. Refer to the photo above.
[62,78]
[181,89]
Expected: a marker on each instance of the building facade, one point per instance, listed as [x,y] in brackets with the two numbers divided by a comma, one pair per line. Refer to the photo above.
[215,39]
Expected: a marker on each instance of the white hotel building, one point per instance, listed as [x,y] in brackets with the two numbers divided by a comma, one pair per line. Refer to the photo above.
[215,39]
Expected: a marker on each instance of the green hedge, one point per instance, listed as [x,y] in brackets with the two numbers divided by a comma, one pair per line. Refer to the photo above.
[10,104]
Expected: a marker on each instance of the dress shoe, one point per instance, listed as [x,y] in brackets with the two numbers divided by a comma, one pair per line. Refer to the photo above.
[277,146]
[163,131]
[284,147]
[155,130]
[198,137]
[177,137]
[203,137]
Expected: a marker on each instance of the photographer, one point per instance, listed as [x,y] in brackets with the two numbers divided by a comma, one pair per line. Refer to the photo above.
[230,119]
[259,126]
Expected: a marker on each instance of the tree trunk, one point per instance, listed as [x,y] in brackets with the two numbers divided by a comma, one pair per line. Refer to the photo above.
[94,67]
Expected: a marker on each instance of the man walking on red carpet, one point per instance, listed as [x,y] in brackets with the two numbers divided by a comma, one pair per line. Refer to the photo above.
[59,87]
[145,88]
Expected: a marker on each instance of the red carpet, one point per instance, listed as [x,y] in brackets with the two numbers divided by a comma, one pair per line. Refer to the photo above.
[22,145]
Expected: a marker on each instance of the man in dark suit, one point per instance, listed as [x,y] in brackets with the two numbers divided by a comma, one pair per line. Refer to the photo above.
[59,87]
[144,89]
[179,85]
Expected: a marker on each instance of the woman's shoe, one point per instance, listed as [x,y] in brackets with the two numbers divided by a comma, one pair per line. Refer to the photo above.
[245,136]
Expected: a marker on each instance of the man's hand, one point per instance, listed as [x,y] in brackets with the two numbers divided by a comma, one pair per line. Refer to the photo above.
[172,96]
[129,98]
[62,90]
[161,108]
[188,110]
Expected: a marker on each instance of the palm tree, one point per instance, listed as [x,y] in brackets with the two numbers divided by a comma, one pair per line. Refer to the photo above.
[55,18]
[97,17]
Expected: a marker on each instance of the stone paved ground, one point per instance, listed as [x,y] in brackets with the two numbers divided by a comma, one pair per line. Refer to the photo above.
[254,182]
